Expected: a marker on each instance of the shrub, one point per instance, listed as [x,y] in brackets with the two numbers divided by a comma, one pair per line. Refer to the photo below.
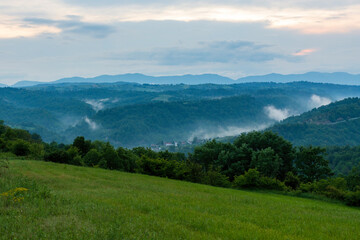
[58,156]
[92,158]
[292,181]
[250,179]
[215,178]
[20,148]
[353,198]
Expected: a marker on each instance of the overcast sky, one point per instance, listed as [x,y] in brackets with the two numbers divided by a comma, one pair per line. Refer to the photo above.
[44,40]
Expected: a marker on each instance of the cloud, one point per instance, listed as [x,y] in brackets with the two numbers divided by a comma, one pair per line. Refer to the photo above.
[74,25]
[209,133]
[97,105]
[276,114]
[213,52]
[317,101]
[305,52]
[92,124]
[99,16]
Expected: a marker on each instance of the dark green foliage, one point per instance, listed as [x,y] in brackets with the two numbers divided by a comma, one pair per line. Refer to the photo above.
[267,162]
[58,156]
[342,159]
[127,158]
[311,165]
[353,178]
[20,147]
[207,154]
[252,179]
[110,158]
[92,158]
[353,198]
[82,145]
[259,141]
[215,178]
[336,124]
[292,181]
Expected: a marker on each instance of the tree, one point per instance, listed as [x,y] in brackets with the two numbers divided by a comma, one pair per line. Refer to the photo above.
[111,158]
[262,140]
[92,158]
[21,148]
[311,165]
[82,145]
[353,178]
[267,162]
[207,154]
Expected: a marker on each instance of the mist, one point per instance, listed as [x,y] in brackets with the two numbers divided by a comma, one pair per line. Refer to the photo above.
[209,133]
[317,101]
[275,113]
[97,105]
[92,124]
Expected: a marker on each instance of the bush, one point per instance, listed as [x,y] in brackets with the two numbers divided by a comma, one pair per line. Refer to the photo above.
[20,148]
[253,179]
[353,198]
[92,158]
[272,184]
[215,178]
[292,181]
[250,179]
[58,156]
[334,193]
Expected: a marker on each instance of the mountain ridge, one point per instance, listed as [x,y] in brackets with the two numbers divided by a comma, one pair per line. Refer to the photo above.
[316,77]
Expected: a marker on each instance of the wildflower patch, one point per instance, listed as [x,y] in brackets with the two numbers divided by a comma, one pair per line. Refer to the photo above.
[15,195]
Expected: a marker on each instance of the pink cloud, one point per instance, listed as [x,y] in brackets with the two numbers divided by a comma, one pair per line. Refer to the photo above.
[304,52]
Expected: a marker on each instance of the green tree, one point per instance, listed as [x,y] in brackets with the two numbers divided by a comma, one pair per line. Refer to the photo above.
[20,148]
[267,162]
[262,140]
[110,157]
[82,144]
[311,165]
[92,158]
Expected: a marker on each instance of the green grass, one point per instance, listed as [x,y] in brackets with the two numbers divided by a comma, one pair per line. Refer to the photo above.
[68,202]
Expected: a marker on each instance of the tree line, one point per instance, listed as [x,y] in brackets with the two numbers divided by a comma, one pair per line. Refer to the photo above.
[256,160]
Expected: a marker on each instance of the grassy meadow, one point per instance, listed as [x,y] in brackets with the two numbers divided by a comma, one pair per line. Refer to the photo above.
[69,202]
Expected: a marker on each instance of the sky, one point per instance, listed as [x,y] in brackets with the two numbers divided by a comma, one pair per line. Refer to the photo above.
[45,40]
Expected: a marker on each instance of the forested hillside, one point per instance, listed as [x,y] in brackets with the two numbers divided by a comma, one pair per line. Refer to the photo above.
[132,114]
[335,124]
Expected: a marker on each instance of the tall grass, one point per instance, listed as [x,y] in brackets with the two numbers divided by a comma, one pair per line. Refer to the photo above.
[68,202]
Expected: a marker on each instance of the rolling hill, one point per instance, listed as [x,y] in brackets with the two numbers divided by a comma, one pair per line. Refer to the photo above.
[132,114]
[316,77]
[68,202]
[335,124]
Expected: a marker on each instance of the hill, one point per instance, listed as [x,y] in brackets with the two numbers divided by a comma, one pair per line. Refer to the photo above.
[316,77]
[60,112]
[67,202]
[335,124]
[138,78]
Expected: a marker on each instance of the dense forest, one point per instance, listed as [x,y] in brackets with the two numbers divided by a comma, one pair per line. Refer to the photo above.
[96,110]
[335,124]
[256,160]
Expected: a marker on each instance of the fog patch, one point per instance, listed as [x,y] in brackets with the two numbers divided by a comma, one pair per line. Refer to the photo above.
[317,101]
[92,124]
[205,133]
[275,113]
[70,121]
[97,105]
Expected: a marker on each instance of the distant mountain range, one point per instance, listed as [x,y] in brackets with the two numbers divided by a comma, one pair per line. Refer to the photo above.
[2,85]
[335,78]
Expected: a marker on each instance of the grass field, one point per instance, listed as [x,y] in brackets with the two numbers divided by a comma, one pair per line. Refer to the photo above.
[68,202]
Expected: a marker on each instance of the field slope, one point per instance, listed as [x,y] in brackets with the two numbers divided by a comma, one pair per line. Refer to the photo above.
[89,203]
